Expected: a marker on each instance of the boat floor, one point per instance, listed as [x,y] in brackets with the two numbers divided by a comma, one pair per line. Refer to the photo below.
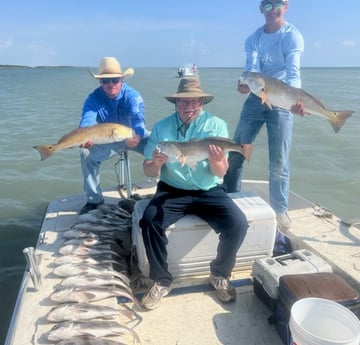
[191,314]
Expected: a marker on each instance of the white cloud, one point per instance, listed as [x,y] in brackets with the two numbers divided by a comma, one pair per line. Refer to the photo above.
[6,44]
[349,43]
[193,46]
[316,45]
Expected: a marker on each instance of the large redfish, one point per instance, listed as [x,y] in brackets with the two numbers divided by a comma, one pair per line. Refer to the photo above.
[193,151]
[101,133]
[276,93]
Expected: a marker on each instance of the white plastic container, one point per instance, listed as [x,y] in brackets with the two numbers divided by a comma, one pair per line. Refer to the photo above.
[318,321]
[268,271]
[192,243]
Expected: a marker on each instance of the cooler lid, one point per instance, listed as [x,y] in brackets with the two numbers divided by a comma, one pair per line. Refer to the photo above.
[323,285]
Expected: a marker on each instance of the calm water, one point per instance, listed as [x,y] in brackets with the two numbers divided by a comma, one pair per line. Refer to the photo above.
[39,105]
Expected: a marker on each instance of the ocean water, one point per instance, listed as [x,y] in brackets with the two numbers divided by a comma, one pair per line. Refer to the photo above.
[39,105]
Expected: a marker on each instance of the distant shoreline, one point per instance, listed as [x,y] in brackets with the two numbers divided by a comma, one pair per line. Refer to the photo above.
[33,67]
[25,67]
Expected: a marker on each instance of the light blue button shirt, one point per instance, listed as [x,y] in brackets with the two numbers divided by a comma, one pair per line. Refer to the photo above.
[171,129]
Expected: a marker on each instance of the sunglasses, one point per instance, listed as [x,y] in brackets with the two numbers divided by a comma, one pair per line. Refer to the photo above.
[192,102]
[269,6]
[108,80]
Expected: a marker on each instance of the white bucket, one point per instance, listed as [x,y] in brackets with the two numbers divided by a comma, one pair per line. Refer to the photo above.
[319,321]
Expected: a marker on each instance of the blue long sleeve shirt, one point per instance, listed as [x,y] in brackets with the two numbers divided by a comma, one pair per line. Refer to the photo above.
[127,109]
[276,54]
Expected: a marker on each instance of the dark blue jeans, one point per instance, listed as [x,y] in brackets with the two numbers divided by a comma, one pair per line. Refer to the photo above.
[214,206]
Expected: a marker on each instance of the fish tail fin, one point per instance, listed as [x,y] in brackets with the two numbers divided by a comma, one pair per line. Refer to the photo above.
[264,99]
[246,151]
[339,119]
[45,151]
[182,160]
[263,96]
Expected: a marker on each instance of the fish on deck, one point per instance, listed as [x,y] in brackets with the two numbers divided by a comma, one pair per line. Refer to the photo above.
[70,329]
[82,311]
[101,133]
[88,340]
[88,294]
[193,151]
[276,93]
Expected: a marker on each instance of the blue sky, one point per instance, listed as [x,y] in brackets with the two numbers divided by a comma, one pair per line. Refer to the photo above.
[147,33]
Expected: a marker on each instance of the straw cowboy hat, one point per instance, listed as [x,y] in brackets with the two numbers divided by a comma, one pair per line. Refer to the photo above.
[110,68]
[190,87]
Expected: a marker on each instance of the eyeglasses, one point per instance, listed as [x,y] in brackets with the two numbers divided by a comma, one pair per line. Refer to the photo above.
[191,101]
[269,6]
[108,80]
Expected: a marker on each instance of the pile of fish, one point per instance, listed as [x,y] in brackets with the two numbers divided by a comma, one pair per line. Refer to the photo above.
[93,265]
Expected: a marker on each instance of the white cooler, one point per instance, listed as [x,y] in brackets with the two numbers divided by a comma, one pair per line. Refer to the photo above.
[192,243]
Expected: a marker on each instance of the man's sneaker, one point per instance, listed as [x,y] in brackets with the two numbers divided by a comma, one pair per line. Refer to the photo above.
[88,207]
[283,222]
[153,297]
[225,291]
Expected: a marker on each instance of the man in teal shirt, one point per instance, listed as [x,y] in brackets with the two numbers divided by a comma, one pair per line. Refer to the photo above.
[182,190]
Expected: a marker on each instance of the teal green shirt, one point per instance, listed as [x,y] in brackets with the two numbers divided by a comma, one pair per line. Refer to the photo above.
[171,129]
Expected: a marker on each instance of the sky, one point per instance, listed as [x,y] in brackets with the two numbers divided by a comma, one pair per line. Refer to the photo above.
[161,33]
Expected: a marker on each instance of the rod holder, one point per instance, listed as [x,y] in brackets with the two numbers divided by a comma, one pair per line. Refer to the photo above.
[33,267]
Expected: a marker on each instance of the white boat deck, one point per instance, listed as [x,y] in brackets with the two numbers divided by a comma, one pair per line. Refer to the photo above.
[191,314]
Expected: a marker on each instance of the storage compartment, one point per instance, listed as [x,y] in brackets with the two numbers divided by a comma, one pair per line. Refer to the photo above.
[322,285]
[266,272]
[192,242]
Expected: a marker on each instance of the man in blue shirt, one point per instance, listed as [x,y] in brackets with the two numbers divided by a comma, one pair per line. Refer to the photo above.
[274,49]
[116,102]
[183,190]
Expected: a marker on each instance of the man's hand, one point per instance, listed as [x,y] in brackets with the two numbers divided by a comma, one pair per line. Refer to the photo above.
[153,166]
[242,88]
[217,160]
[298,109]
[134,141]
[159,158]
[216,153]
[87,145]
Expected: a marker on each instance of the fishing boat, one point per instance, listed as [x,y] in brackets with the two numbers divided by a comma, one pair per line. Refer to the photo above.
[188,70]
[191,313]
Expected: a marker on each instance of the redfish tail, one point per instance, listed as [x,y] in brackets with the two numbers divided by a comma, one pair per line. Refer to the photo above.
[45,151]
[339,119]
[246,151]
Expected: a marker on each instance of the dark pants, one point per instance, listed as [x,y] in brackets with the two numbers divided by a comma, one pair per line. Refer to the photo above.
[232,178]
[169,204]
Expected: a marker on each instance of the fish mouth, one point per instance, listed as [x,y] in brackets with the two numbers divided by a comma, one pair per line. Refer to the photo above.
[242,80]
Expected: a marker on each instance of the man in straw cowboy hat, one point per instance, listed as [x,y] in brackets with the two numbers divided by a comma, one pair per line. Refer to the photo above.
[116,102]
[182,190]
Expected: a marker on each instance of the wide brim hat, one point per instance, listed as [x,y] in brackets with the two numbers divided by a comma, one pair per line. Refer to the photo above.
[110,68]
[189,87]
